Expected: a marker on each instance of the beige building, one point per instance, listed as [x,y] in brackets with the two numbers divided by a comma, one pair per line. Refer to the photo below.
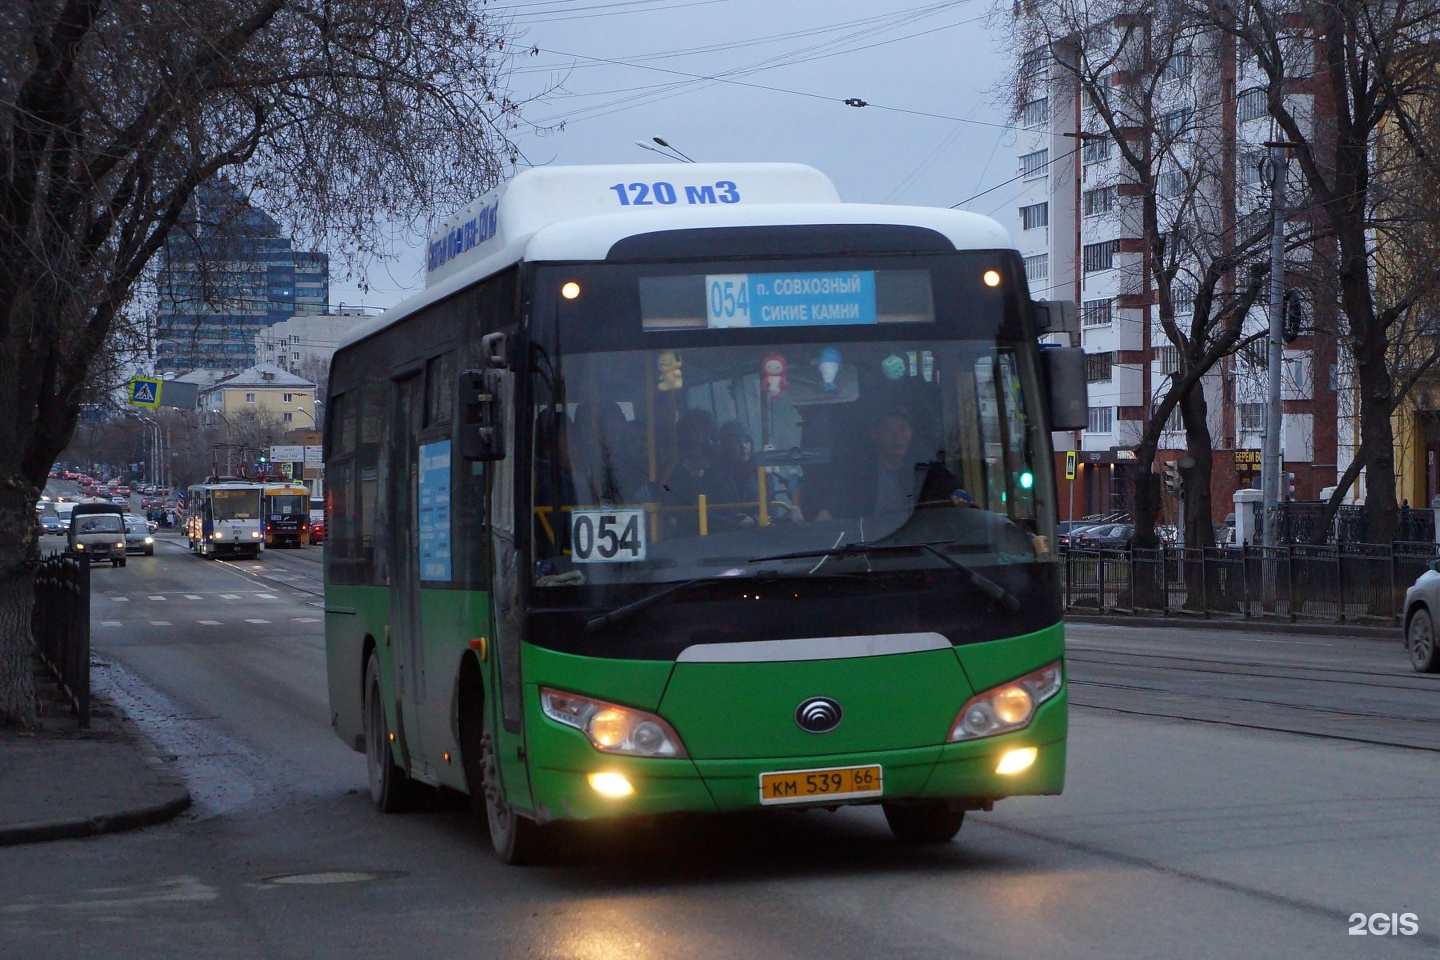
[266,392]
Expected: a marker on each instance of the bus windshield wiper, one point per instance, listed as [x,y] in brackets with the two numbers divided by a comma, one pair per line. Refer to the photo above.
[623,612]
[986,586]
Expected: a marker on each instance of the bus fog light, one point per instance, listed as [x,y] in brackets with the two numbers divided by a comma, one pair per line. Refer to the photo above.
[1016,760]
[610,785]
[612,728]
[1007,707]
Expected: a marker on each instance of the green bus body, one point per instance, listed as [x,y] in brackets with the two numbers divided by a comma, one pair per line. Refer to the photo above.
[461,586]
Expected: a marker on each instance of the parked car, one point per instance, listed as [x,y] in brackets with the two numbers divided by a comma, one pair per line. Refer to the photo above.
[1067,531]
[137,535]
[1422,607]
[1106,536]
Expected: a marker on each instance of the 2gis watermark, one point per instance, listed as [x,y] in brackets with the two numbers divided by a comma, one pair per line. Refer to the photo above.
[1383,924]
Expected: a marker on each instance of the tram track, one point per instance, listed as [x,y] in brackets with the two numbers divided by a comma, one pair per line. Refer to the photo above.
[1342,701]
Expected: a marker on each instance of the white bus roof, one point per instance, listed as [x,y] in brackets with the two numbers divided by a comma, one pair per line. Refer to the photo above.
[579,213]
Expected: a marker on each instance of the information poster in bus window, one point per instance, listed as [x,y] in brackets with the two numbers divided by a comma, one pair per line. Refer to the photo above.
[434,511]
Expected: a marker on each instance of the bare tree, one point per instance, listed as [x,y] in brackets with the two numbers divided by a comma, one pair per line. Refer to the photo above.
[1339,76]
[1149,80]
[112,116]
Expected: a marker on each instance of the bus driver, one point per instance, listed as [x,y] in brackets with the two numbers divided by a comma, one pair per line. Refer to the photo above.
[888,481]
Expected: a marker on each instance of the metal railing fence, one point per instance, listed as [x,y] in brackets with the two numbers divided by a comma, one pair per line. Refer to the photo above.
[1340,583]
[60,623]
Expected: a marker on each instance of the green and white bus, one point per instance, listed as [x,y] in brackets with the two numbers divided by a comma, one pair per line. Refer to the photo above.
[695,489]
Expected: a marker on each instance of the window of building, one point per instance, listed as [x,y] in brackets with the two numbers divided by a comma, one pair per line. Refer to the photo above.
[1175,122]
[288,397]
[1101,420]
[1095,313]
[1252,166]
[1173,423]
[1032,165]
[1098,202]
[1035,112]
[1167,358]
[1099,256]
[1095,150]
[1172,183]
[249,398]
[295,356]
[1252,104]
[1035,215]
[1182,296]
[1252,416]
[1037,267]
[289,417]
[1098,366]
[1178,67]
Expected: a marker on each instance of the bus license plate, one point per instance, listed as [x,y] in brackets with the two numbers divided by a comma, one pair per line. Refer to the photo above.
[833,783]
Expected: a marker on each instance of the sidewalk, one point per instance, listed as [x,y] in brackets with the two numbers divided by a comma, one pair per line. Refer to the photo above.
[59,781]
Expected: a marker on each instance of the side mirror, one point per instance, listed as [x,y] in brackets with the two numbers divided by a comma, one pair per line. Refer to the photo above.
[1064,369]
[477,431]
[1055,316]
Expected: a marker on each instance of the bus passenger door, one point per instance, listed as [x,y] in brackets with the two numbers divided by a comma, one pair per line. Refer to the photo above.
[507,604]
[405,641]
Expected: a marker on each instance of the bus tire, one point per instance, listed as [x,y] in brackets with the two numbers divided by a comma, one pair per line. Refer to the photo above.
[517,840]
[925,821]
[389,786]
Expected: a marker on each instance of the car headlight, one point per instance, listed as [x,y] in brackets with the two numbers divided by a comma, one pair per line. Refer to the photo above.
[612,728]
[121,544]
[149,540]
[255,534]
[1007,707]
[79,546]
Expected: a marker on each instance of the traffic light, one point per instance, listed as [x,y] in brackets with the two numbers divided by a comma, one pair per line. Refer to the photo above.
[1173,483]
[1289,490]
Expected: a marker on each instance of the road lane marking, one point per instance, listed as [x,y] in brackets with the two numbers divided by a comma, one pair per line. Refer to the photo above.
[267,596]
[306,619]
[229,596]
[161,623]
[109,623]
[155,597]
[121,599]
[193,596]
[209,623]
[256,621]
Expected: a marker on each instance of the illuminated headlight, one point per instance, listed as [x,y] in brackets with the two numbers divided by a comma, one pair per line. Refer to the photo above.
[255,534]
[79,546]
[1008,707]
[149,539]
[120,545]
[611,727]
[218,535]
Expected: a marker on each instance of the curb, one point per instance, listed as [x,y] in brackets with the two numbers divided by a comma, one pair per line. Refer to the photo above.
[94,826]
[1358,630]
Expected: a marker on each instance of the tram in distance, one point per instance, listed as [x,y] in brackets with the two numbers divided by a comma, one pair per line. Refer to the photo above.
[702,494]
[286,513]
[223,518]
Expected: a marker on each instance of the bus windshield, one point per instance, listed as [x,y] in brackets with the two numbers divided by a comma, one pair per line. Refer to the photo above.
[234,504]
[289,504]
[671,462]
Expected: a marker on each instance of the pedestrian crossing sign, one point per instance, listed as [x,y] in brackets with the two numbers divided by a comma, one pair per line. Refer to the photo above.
[145,392]
[1070,464]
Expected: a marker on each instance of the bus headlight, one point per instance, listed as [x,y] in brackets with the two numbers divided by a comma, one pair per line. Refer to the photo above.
[255,534]
[218,535]
[1007,707]
[612,728]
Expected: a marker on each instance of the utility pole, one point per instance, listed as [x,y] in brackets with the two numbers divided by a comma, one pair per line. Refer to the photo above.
[1270,462]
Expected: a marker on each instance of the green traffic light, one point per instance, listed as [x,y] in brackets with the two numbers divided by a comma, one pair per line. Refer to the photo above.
[1027,480]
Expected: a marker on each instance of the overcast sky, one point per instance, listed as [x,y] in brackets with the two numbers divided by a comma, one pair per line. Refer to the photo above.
[754,80]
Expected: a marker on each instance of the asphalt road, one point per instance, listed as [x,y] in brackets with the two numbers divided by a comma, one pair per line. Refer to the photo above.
[1194,823]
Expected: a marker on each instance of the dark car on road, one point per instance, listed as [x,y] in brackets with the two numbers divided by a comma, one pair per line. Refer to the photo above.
[138,537]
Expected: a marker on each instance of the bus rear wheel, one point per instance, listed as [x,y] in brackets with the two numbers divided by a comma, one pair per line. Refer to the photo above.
[928,821]
[517,840]
[389,786]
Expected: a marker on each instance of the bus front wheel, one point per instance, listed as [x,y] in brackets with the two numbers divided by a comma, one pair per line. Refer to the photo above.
[928,821]
[516,839]
[389,786]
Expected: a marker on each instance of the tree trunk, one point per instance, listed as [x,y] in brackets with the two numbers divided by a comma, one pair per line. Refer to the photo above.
[1376,405]
[18,542]
[1199,507]
[1147,496]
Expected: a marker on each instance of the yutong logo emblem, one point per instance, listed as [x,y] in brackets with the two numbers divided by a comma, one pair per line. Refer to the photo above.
[818,715]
